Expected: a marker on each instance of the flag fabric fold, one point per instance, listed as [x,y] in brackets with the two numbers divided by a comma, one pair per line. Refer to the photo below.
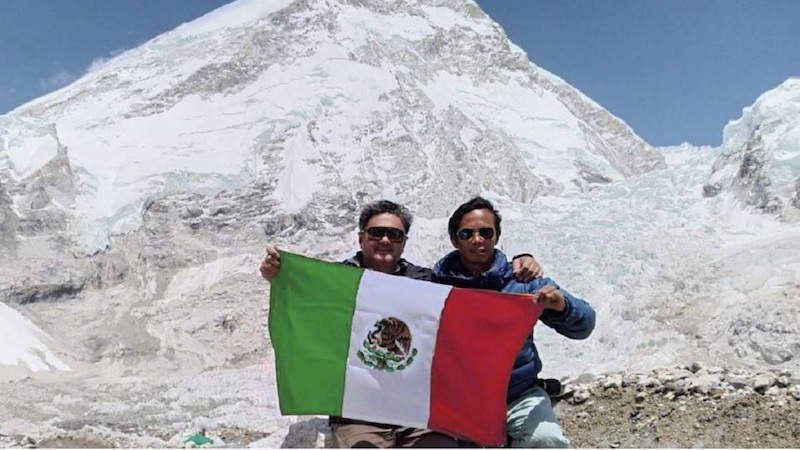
[365,345]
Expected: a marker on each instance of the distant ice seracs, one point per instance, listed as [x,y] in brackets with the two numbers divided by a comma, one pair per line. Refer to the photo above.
[760,160]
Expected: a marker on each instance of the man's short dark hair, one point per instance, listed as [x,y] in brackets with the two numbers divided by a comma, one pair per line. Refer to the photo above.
[384,206]
[472,205]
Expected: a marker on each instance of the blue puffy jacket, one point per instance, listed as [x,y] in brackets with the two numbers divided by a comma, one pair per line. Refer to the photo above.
[575,322]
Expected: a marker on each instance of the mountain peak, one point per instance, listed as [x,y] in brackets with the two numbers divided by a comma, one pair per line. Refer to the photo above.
[760,159]
[427,100]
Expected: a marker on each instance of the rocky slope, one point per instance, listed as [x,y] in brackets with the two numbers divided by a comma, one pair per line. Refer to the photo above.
[679,406]
[691,406]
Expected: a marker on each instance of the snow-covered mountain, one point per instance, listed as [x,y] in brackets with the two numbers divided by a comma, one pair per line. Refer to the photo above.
[324,103]
[307,109]
[760,160]
[135,204]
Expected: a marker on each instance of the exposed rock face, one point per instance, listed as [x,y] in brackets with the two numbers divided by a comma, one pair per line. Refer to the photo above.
[9,221]
[37,190]
[760,159]
[751,183]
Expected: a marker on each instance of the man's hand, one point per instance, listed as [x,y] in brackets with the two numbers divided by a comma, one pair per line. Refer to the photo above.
[551,298]
[526,268]
[271,264]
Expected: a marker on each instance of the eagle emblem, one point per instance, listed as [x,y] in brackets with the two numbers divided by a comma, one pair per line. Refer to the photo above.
[388,346]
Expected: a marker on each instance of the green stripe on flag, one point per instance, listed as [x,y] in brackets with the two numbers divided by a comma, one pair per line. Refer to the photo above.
[311,307]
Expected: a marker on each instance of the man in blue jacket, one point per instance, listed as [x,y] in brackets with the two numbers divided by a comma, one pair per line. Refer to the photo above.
[474,230]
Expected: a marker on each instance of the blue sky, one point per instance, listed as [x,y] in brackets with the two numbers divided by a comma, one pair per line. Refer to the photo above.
[674,70]
[45,44]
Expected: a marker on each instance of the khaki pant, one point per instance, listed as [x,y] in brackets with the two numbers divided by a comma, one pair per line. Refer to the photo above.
[362,435]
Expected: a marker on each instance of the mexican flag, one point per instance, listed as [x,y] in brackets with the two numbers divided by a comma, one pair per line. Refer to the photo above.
[365,345]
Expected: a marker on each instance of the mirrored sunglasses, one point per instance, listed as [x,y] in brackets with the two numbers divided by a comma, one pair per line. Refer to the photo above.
[466,233]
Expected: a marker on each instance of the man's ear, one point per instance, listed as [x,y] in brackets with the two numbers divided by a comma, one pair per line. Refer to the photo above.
[453,241]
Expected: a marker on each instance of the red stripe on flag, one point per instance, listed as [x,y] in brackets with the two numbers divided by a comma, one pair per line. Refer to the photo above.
[480,334]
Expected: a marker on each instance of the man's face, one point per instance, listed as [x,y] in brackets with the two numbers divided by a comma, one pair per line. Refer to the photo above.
[476,238]
[383,253]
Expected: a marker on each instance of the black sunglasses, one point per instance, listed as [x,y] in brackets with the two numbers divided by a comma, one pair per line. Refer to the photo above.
[466,233]
[394,234]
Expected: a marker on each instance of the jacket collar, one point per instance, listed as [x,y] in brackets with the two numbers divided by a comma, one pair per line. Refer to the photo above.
[357,260]
[450,270]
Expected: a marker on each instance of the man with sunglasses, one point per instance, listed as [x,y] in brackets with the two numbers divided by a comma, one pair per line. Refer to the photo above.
[474,230]
[383,232]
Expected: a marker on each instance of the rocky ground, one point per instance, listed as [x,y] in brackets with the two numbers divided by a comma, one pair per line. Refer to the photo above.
[684,407]
[614,420]
[691,406]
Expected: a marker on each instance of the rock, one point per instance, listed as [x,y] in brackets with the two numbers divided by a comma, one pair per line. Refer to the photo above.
[773,391]
[304,435]
[704,383]
[737,381]
[580,396]
[613,382]
[678,387]
[716,392]
[192,212]
[711,190]
[221,210]
[673,374]
[794,392]
[629,380]
[646,381]
[762,382]
[45,292]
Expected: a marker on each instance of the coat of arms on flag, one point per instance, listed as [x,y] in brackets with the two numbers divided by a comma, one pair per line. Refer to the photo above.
[388,346]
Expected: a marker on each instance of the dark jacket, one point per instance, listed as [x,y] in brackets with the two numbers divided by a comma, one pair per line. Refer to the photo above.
[404,269]
[575,322]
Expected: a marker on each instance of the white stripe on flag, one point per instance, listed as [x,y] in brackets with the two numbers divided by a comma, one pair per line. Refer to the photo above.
[401,397]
